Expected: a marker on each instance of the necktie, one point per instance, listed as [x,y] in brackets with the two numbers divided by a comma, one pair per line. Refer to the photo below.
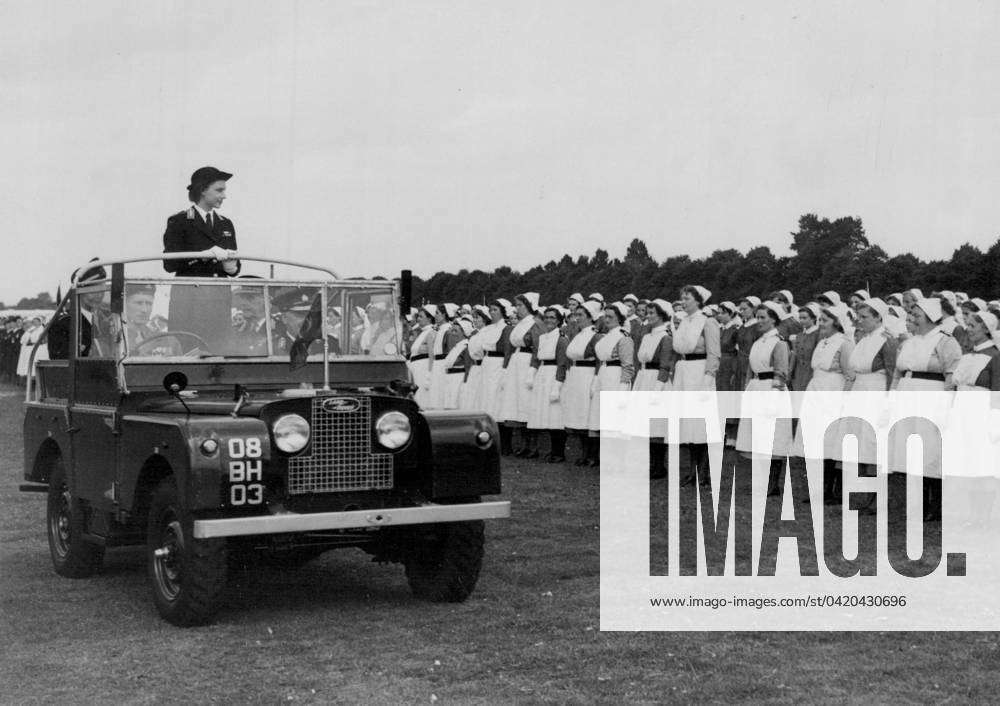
[210,221]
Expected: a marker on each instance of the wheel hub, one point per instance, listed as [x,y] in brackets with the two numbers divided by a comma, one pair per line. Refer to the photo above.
[167,560]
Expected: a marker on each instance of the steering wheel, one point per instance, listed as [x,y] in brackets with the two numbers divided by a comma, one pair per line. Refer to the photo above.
[198,341]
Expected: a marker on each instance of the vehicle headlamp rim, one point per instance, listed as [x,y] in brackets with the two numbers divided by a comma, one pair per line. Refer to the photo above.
[380,435]
[281,441]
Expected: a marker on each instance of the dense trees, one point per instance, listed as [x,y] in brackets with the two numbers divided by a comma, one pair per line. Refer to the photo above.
[825,255]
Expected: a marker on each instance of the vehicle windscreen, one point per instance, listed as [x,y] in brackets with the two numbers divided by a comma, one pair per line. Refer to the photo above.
[248,319]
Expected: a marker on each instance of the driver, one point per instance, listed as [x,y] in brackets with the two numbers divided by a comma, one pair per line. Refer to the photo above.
[138,324]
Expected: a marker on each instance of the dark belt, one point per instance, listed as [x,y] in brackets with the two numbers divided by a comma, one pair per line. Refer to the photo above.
[917,375]
[415,358]
[478,362]
[441,357]
[550,362]
[650,366]
[452,371]
[494,354]
[763,376]
[612,363]
[526,349]
[584,363]
[693,356]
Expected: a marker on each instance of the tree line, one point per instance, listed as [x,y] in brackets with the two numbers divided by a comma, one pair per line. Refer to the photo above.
[826,255]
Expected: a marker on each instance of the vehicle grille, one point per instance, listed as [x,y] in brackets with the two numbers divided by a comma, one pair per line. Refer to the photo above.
[342,457]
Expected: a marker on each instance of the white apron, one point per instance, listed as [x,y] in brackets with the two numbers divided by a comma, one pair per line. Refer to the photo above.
[818,411]
[470,388]
[914,356]
[770,414]
[544,414]
[689,375]
[516,398]
[968,450]
[646,381]
[453,381]
[608,380]
[488,396]
[439,376]
[576,390]
[420,369]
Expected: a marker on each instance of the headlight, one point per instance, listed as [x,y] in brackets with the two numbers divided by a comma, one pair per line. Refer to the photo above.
[291,433]
[393,430]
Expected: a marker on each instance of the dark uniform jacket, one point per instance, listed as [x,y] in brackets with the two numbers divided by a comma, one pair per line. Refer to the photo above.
[187,231]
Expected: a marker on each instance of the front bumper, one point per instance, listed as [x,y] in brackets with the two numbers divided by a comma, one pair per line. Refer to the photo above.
[354,519]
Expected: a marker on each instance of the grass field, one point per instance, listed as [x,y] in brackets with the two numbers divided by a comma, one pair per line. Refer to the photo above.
[345,629]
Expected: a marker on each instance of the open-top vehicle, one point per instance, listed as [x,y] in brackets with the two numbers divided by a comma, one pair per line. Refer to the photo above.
[216,419]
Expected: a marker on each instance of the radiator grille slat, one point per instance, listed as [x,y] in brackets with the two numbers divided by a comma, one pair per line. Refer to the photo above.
[342,458]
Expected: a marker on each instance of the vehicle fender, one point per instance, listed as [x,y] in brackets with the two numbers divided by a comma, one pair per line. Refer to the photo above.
[45,438]
[460,466]
[202,478]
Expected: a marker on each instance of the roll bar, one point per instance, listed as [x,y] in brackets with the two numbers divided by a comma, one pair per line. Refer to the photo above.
[200,256]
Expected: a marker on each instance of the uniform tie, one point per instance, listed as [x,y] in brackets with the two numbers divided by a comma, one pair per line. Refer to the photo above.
[211,221]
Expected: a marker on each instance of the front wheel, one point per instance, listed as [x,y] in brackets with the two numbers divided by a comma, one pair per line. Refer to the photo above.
[443,561]
[187,575]
[72,555]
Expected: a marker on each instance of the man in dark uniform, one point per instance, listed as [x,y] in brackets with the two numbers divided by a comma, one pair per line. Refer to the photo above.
[205,311]
[90,322]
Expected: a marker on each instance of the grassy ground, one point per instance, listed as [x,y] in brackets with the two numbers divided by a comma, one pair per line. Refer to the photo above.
[345,629]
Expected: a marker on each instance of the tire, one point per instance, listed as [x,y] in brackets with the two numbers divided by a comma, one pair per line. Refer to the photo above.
[187,575]
[443,561]
[72,556]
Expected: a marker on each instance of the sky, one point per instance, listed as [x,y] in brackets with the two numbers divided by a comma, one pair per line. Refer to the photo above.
[375,136]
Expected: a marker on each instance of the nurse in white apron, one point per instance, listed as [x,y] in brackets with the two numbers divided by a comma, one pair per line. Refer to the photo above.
[925,363]
[654,365]
[516,397]
[467,397]
[697,356]
[973,414]
[615,353]
[769,362]
[444,341]
[575,393]
[457,364]
[830,360]
[420,354]
[549,365]
[489,398]
[870,368]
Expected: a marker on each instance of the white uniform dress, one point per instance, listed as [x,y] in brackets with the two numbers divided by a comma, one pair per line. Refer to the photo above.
[923,362]
[768,358]
[868,370]
[817,411]
[696,341]
[543,413]
[647,380]
[576,390]
[420,367]
[439,374]
[969,451]
[614,350]
[488,396]
[454,378]
[468,394]
[516,398]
